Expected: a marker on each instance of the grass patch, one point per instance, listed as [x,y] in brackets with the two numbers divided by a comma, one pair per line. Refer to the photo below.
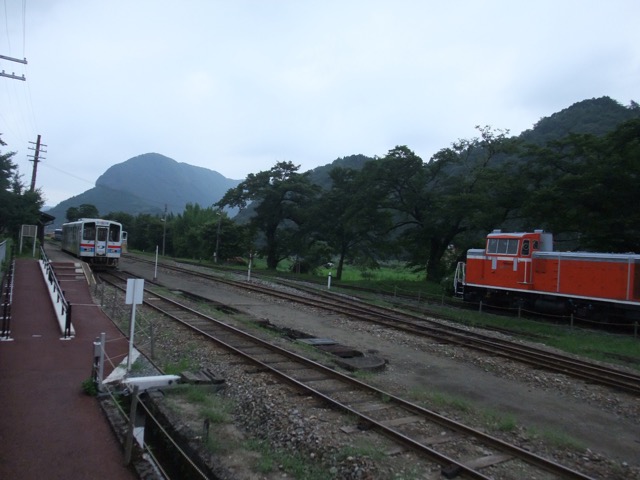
[137,367]
[493,420]
[294,464]
[490,419]
[203,406]
[601,346]
[557,438]
[217,444]
[362,448]
[438,399]
[89,387]
[363,375]
[498,421]
[212,406]
[193,393]
[175,368]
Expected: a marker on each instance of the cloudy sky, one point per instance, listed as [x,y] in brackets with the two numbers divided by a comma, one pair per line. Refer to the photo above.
[238,85]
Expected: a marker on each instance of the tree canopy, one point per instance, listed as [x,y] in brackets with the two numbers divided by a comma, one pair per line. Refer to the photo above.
[585,187]
[575,174]
[280,196]
[18,206]
[83,211]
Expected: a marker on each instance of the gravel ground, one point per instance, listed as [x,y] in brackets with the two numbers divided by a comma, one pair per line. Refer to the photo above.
[592,428]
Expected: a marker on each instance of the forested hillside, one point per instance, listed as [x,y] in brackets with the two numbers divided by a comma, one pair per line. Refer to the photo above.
[596,116]
[574,173]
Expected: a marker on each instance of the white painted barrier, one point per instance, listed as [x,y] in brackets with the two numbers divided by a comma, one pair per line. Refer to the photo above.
[157,381]
[59,303]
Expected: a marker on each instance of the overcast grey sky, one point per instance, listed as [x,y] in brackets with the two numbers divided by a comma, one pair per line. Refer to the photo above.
[238,85]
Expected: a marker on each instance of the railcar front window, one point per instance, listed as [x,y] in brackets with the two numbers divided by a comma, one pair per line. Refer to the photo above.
[102,234]
[114,233]
[89,232]
[504,246]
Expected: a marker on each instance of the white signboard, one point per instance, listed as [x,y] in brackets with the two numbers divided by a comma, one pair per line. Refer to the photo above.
[135,291]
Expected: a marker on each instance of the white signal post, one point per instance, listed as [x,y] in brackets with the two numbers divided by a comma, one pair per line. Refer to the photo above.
[155,270]
[135,291]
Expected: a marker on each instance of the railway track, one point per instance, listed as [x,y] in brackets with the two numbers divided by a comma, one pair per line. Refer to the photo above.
[451,444]
[423,326]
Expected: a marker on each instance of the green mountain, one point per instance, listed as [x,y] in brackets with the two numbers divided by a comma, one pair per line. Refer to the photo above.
[595,116]
[145,184]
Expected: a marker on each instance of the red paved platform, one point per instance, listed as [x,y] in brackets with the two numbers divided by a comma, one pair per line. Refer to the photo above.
[50,429]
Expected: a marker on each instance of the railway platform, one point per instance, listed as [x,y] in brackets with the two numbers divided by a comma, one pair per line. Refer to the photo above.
[49,428]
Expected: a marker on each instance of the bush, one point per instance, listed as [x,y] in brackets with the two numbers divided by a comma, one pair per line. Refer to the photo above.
[89,387]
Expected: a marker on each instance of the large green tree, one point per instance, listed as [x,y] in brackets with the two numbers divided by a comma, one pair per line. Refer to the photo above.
[466,188]
[126,219]
[584,188]
[148,233]
[188,228]
[18,206]
[279,197]
[85,210]
[348,219]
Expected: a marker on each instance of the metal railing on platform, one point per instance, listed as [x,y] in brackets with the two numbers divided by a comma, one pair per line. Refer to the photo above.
[6,300]
[61,305]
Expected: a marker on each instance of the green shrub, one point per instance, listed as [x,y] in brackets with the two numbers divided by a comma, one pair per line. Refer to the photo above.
[89,387]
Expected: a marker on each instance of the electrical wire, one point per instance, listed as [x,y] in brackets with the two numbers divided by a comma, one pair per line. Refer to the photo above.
[6,24]
[20,123]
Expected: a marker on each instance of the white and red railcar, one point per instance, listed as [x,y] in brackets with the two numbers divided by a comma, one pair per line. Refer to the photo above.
[98,242]
[521,269]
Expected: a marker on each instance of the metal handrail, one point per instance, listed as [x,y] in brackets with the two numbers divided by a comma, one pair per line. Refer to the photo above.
[58,292]
[7,298]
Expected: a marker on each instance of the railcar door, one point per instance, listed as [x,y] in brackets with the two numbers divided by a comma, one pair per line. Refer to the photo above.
[102,235]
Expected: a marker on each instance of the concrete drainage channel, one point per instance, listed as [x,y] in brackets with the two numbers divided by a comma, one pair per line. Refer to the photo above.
[347,357]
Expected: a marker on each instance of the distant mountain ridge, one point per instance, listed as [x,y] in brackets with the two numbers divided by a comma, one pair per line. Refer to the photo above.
[145,184]
[595,116]
[148,182]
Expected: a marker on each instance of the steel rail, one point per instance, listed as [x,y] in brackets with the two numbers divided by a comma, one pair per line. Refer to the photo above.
[540,358]
[203,322]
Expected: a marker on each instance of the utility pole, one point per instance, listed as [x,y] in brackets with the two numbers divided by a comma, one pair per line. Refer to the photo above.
[215,254]
[164,228]
[36,159]
[12,74]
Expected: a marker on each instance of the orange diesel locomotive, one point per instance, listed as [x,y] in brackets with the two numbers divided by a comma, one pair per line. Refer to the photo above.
[522,270]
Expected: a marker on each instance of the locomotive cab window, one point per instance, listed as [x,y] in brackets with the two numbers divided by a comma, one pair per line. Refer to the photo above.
[504,246]
[525,248]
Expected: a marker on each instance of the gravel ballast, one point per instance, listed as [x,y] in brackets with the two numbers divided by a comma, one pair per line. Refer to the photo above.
[590,427]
